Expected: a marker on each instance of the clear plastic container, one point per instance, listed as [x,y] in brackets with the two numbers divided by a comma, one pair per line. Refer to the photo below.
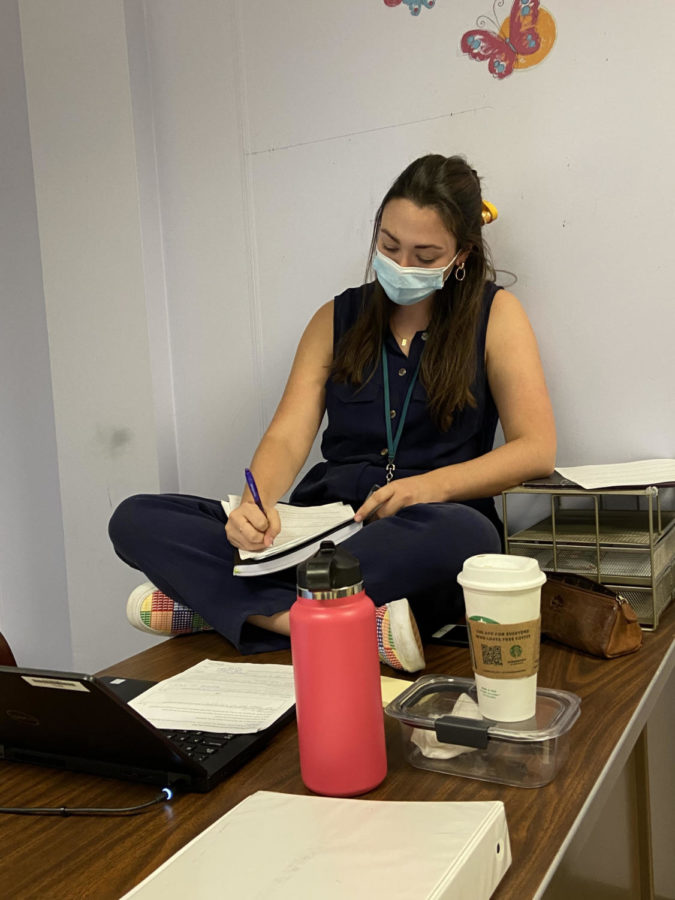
[444,732]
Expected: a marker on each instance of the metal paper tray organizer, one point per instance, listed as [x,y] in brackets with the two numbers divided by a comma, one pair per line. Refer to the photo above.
[630,550]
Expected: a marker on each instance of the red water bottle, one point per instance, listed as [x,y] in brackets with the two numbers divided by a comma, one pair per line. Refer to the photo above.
[337,677]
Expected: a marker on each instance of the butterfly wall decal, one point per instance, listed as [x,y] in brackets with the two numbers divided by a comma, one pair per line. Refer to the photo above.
[522,40]
[414,6]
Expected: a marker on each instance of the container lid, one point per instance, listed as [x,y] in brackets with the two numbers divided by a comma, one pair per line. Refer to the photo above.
[497,572]
[330,568]
[433,697]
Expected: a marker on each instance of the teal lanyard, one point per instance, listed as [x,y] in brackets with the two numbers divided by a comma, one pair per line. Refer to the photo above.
[393,442]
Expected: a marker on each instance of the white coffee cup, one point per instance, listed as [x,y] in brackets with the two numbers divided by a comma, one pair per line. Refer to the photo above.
[502,596]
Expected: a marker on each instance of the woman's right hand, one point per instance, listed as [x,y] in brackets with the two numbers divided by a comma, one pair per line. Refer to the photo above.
[289,436]
[248,528]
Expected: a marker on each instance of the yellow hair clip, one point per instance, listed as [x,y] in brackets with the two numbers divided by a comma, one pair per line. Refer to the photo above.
[489,212]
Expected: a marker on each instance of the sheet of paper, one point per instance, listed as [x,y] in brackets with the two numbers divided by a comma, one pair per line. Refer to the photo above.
[298,523]
[392,687]
[644,472]
[219,697]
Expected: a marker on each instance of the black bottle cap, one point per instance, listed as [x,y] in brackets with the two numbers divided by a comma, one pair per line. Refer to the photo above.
[329,569]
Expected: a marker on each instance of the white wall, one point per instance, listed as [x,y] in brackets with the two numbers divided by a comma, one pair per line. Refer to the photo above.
[85,177]
[576,154]
[328,115]
[34,611]
[192,76]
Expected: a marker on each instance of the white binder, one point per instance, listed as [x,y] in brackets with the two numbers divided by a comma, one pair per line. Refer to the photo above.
[289,847]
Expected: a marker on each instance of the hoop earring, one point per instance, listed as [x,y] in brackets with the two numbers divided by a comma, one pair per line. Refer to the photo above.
[460,268]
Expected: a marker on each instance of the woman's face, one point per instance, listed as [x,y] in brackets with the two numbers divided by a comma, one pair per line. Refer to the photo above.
[414,235]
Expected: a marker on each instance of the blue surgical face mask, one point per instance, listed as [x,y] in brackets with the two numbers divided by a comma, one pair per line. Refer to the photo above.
[406,285]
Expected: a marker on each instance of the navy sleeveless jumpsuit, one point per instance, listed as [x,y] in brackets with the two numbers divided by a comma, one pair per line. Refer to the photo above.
[178,541]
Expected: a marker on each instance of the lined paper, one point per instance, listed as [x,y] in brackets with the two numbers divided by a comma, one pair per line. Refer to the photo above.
[641,473]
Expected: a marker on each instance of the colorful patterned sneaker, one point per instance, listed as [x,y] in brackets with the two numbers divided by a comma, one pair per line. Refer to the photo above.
[398,639]
[148,609]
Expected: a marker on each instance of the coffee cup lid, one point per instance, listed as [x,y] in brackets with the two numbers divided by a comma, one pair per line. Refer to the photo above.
[495,571]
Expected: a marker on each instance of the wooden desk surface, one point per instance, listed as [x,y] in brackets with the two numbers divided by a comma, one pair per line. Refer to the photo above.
[102,858]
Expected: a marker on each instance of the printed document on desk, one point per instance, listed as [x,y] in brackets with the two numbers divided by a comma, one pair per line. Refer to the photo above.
[294,847]
[218,697]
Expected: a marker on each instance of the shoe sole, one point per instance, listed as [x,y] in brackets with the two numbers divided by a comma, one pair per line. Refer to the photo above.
[404,636]
[134,603]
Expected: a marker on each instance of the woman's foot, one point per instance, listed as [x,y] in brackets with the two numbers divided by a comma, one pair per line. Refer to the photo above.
[148,609]
[398,639]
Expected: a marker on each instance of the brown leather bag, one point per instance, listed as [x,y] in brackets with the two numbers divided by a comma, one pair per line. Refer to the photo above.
[588,616]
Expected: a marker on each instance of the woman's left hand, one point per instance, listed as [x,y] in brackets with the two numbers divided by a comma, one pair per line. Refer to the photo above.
[387,500]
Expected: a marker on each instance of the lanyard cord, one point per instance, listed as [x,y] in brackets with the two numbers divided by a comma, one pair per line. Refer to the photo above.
[393,442]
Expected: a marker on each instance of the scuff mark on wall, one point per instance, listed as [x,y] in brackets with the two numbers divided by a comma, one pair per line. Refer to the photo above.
[112,440]
[340,137]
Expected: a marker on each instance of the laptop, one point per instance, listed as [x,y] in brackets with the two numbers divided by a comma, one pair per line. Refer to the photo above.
[83,722]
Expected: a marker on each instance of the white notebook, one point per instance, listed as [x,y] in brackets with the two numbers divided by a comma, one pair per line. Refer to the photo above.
[293,847]
[302,530]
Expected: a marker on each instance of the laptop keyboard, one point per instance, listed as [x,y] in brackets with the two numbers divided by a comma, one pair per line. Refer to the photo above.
[198,745]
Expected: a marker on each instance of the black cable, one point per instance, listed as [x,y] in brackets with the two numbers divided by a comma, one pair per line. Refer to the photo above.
[166,794]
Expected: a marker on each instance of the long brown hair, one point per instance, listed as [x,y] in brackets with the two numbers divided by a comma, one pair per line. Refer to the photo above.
[451,187]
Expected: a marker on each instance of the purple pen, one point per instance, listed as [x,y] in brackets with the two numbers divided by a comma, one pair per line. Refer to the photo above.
[253,488]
